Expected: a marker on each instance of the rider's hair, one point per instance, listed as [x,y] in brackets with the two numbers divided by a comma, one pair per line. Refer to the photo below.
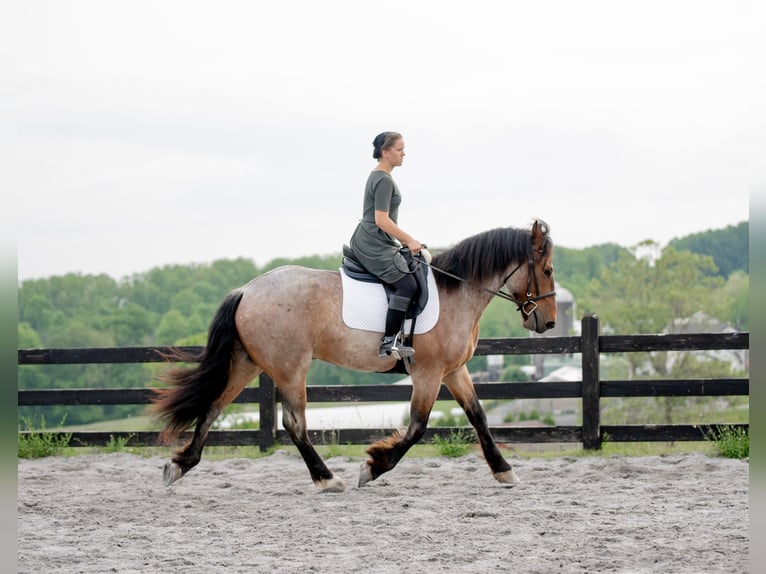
[383,141]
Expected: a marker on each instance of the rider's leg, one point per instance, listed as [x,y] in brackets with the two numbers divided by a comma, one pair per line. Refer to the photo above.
[404,290]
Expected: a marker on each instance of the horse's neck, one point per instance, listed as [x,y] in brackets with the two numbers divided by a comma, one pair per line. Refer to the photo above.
[468,302]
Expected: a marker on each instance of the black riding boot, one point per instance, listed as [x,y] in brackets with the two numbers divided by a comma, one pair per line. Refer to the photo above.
[390,344]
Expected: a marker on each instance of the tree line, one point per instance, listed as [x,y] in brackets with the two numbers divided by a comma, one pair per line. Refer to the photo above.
[633,290]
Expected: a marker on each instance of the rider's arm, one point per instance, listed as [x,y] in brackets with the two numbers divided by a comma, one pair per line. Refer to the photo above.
[383,221]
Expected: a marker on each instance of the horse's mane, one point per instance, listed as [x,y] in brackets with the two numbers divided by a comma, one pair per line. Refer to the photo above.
[484,255]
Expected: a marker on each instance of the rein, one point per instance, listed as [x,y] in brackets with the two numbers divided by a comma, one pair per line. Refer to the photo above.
[527,307]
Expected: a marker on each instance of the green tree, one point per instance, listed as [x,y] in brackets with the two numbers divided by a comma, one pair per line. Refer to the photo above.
[501,319]
[131,325]
[173,326]
[732,301]
[27,336]
[729,247]
[644,292]
[35,308]
[185,300]
[329,262]
[575,268]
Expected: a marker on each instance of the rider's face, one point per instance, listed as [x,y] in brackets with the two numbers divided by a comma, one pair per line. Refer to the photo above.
[395,154]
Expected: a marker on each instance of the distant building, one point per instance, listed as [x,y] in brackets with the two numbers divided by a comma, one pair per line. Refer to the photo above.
[566,326]
[701,322]
[544,366]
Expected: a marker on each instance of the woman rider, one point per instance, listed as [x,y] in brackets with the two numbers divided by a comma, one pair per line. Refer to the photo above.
[377,239]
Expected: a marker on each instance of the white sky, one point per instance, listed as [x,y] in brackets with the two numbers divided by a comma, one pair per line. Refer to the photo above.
[152,133]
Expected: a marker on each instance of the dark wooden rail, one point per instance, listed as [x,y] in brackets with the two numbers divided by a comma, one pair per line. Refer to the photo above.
[590,390]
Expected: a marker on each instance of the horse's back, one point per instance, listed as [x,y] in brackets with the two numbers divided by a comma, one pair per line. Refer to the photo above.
[292,313]
[290,297]
[292,281]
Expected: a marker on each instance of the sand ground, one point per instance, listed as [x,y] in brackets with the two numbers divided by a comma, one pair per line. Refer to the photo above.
[112,513]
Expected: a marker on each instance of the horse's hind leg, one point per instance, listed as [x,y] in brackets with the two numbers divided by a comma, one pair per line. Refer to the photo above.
[294,421]
[242,372]
[189,456]
[461,386]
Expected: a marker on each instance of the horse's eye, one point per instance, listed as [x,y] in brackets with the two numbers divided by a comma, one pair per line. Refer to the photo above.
[548,272]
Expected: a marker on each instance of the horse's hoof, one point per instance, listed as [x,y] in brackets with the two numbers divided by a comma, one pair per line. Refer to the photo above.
[332,485]
[171,473]
[365,474]
[508,477]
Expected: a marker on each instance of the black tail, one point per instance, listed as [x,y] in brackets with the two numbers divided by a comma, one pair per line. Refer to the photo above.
[193,390]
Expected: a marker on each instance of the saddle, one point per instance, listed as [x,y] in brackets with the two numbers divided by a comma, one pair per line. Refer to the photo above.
[355,270]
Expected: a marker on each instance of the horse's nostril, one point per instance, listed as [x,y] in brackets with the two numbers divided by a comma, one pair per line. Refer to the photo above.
[550,324]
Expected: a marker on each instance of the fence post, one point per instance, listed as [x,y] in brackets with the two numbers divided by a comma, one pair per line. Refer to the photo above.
[267,406]
[591,383]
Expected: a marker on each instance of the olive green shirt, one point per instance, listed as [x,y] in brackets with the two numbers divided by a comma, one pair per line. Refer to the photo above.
[377,250]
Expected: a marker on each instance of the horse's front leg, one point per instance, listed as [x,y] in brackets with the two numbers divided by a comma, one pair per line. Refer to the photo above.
[461,386]
[294,421]
[386,453]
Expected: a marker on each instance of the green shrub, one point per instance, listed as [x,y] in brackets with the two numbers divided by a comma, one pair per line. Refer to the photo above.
[117,444]
[40,443]
[730,442]
[457,444]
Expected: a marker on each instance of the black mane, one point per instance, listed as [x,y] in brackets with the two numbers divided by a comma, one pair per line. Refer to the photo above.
[483,256]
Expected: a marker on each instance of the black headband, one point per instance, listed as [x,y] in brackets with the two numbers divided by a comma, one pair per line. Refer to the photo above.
[380,139]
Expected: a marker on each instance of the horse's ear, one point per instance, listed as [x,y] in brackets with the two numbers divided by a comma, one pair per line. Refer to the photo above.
[539,234]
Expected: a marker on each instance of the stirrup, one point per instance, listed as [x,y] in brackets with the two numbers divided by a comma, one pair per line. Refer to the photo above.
[389,347]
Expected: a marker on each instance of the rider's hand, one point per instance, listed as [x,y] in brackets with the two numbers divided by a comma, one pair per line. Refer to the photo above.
[414,246]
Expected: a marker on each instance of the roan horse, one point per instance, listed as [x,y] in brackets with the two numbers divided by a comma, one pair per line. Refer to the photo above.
[280,321]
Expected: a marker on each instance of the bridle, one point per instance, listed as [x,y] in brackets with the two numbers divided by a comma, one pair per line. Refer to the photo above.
[529,305]
[526,307]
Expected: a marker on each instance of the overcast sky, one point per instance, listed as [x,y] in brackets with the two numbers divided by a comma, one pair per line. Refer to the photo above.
[154,133]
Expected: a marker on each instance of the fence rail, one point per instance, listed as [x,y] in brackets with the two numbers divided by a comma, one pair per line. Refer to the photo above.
[590,390]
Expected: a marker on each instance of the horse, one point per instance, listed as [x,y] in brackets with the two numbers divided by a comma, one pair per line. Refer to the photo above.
[281,320]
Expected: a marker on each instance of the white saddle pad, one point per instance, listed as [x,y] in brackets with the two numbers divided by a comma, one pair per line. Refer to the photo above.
[365,306]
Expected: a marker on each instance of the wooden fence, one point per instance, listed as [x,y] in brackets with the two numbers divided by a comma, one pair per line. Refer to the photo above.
[590,389]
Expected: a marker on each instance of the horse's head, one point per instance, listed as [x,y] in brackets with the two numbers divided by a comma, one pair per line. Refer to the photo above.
[535,291]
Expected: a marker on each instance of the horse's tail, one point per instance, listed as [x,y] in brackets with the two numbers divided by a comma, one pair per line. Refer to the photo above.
[193,390]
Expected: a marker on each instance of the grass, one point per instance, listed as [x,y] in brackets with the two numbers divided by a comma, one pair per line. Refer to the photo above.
[434,449]
[458,443]
[730,442]
[423,450]
[136,423]
[39,442]
[117,444]
[682,410]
